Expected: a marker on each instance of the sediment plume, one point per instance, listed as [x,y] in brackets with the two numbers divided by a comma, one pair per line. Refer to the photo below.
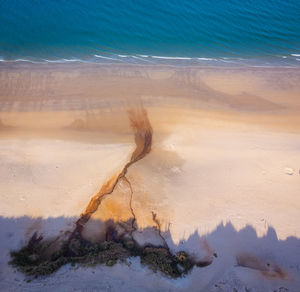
[142,130]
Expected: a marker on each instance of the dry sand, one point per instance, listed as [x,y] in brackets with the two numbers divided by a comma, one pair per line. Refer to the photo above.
[222,176]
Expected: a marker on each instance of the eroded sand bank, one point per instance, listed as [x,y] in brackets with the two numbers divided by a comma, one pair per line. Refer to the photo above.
[222,175]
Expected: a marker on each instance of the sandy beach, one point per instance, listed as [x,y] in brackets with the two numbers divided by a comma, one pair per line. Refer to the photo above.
[222,175]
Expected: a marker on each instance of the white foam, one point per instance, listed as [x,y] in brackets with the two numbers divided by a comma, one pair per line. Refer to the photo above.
[24,60]
[63,60]
[72,60]
[165,57]
[206,59]
[226,61]
[20,60]
[110,58]
[129,59]
[103,57]
[52,61]
[135,57]
[171,58]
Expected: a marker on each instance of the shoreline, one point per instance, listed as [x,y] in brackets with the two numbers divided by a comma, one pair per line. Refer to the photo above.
[288,60]
[219,64]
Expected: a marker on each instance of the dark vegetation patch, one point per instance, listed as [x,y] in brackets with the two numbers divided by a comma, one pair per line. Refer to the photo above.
[35,259]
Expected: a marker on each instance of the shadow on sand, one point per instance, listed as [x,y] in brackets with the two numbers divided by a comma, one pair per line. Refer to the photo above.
[224,245]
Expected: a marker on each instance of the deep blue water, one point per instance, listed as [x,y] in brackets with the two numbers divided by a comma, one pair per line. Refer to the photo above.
[151,31]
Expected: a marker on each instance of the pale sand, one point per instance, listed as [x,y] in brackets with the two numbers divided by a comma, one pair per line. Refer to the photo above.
[225,155]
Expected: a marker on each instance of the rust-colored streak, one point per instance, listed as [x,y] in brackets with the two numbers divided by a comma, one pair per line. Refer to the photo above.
[133,223]
[143,139]
[157,222]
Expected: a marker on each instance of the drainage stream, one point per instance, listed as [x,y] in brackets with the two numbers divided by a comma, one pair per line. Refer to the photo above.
[42,257]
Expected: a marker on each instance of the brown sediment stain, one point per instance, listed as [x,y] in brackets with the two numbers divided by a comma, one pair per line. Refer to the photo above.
[148,195]
[142,130]
[158,224]
[115,207]
[133,222]
[148,179]
[267,268]
[4,126]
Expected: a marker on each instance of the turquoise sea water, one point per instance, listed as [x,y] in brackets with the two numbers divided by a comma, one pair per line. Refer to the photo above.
[229,32]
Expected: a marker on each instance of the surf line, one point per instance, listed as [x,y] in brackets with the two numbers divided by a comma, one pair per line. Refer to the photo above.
[143,132]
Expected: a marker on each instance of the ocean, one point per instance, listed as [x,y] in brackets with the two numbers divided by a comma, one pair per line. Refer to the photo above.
[203,32]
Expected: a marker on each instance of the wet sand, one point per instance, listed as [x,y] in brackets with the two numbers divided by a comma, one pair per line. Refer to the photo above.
[225,155]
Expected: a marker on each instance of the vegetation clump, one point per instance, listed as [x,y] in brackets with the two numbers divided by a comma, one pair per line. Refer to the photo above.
[159,258]
[35,259]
